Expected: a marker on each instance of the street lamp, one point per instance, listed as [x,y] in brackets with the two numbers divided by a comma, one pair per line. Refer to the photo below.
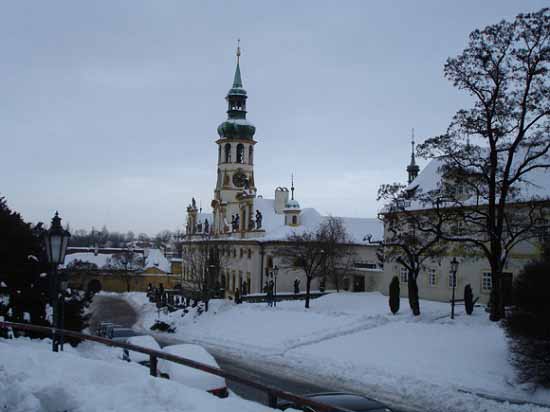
[56,240]
[275,272]
[454,269]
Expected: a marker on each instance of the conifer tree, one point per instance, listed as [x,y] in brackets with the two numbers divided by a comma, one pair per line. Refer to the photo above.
[394,295]
[468,299]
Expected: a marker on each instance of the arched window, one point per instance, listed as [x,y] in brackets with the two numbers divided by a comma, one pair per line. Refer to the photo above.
[250,155]
[294,220]
[240,153]
[219,154]
[227,153]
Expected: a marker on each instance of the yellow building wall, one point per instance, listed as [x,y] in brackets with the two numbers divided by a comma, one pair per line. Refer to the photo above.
[120,282]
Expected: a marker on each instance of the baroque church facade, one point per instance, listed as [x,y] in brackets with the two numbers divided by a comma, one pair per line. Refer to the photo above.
[250,227]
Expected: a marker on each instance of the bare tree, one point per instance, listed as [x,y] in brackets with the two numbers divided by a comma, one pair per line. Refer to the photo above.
[338,251]
[492,150]
[202,263]
[316,253]
[412,237]
[127,262]
[304,252]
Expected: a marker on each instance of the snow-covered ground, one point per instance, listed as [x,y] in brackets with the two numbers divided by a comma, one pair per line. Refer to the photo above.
[92,378]
[353,342]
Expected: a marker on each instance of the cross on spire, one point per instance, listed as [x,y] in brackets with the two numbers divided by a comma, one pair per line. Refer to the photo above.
[412,144]
[238,50]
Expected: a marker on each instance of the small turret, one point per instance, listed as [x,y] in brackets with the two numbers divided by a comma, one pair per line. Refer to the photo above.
[292,209]
[412,168]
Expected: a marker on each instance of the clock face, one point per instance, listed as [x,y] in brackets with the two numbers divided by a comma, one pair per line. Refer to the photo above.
[239,179]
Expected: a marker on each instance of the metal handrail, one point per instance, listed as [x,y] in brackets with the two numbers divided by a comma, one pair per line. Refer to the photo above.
[272,393]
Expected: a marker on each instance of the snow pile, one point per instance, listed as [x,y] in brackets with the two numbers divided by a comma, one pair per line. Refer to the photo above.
[32,378]
[353,341]
[155,259]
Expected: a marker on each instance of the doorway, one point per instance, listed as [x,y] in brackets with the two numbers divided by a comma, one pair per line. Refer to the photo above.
[358,283]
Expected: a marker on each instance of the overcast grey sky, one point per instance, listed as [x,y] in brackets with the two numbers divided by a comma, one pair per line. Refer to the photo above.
[109,109]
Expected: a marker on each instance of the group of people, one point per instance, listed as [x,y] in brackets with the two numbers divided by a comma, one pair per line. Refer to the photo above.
[270,292]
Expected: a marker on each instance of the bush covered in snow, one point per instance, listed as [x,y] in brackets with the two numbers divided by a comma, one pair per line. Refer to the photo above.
[161,326]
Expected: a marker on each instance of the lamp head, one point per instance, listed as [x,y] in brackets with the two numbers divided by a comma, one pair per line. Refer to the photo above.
[454,265]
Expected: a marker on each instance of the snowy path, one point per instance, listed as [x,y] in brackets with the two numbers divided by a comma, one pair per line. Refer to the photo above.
[351,342]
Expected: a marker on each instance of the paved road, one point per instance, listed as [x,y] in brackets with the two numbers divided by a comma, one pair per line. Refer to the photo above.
[116,310]
[111,309]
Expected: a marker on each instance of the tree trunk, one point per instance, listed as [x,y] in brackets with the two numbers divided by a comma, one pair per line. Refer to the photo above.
[414,302]
[496,298]
[308,285]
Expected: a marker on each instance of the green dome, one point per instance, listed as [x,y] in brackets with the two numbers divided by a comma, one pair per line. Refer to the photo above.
[236,128]
[236,91]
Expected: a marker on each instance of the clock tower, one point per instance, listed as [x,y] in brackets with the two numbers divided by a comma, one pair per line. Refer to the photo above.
[235,187]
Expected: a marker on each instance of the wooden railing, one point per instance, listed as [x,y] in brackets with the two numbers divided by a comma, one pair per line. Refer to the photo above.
[273,394]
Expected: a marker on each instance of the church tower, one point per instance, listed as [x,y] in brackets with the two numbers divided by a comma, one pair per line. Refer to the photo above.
[412,168]
[235,175]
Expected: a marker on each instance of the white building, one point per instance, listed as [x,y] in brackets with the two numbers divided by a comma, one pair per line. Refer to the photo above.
[435,281]
[251,227]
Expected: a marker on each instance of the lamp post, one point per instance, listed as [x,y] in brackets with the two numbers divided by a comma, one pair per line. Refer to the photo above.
[454,269]
[56,240]
[275,272]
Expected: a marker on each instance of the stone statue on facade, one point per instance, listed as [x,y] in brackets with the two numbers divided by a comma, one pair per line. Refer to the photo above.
[258,219]
[237,221]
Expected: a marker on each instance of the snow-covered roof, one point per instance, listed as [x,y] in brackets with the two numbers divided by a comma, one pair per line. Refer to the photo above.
[100,260]
[155,259]
[275,229]
[292,204]
[536,183]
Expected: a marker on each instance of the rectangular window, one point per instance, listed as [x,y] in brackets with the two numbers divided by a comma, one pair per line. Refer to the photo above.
[486,281]
[366,265]
[403,275]
[432,278]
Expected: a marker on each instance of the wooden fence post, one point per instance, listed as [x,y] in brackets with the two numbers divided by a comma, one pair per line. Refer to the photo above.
[153,363]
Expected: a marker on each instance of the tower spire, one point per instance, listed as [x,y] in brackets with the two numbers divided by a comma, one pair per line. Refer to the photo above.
[237,81]
[292,185]
[238,50]
[413,162]
[412,168]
